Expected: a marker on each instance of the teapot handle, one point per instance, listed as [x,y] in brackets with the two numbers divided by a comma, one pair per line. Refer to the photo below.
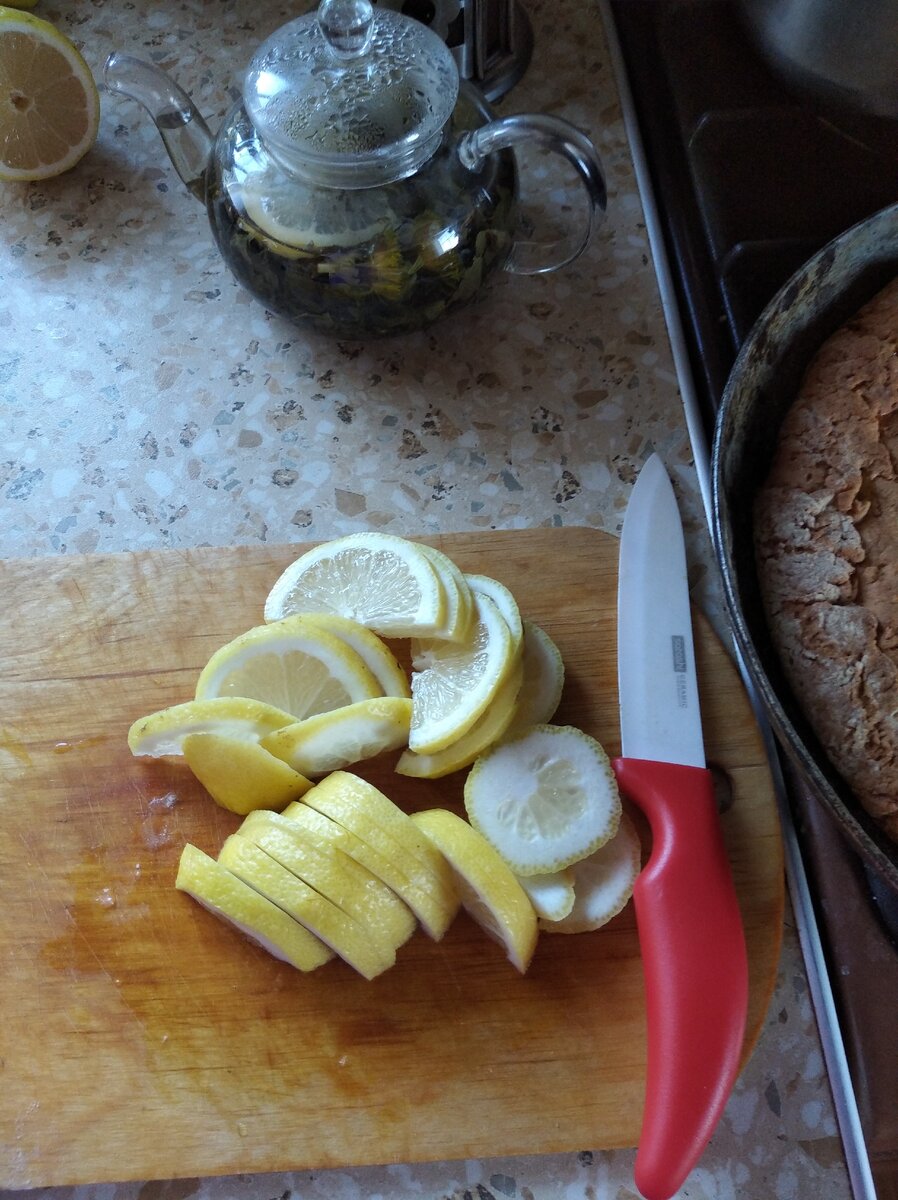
[549,133]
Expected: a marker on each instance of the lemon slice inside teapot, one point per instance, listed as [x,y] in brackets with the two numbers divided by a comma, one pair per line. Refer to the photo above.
[351,96]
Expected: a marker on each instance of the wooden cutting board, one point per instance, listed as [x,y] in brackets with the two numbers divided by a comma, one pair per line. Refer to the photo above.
[142,1039]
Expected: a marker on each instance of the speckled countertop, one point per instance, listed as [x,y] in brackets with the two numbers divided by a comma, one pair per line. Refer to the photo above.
[147,401]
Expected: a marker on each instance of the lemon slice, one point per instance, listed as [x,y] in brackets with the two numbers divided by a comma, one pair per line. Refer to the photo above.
[489,727]
[544,799]
[350,940]
[242,776]
[382,581]
[452,683]
[50,109]
[603,883]
[383,858]
[489,891]
[328,869]
[459,604]
[543,684]
[301,217]
[293,664]
[333,740]
[503,599]
[377,657]
[230,899]
[163,732]
[552,895]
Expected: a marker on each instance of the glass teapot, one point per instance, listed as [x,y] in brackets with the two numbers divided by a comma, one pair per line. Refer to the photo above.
[359,187]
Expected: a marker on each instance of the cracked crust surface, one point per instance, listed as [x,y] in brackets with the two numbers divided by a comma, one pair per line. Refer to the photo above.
[826,543]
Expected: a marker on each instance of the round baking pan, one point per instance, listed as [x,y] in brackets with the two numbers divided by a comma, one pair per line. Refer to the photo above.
[764,381]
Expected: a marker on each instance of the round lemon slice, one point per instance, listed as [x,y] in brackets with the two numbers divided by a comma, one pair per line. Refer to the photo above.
[233,901]
[453,683]
[459,604]
[242,776]
[603,883]
[489,727]
[377,656]
[503,599]
[552,896]
[331,871]
[382,581]
[350,940]
[293,664]
[333,740]
[50,109]
[489,891]
[383,858]
[544,799]
[543,683]
[163,732]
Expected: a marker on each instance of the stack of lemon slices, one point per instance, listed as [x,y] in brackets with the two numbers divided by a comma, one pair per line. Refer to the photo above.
[324,864]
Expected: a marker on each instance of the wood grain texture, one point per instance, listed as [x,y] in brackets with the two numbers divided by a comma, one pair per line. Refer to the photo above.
[143,1039]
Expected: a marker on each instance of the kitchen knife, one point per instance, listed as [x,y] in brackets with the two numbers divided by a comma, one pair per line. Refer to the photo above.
[687,913]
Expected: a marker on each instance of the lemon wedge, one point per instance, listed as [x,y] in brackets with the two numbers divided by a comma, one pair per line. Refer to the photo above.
[489,892]
[50,108]
[503,599]
[163,732]
[543,683]
[242,776]
[489,727]
[603,883]
[233,901]
[333,740]
[375,654]
[453,683]
[293,664]
[383,858]
[331,871]
[351,941]
[384,582]
[544,799]
[552,896]
[459,604]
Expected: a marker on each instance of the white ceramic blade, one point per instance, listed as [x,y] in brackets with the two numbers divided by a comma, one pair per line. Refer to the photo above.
[659,708]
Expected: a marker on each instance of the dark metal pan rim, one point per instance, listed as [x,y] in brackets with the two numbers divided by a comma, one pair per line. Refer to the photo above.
[819,297]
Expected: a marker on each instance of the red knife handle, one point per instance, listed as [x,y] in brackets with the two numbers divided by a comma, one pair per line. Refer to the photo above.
[695,967]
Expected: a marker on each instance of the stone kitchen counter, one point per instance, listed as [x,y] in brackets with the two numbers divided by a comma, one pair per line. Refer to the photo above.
[148,402]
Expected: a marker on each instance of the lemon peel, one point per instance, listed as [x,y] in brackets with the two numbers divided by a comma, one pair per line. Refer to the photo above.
[333,740]
[163,732]
[375,654]
[233,901]
[489,892]
[242,776]
[544,799]
[543,682]
[459,603]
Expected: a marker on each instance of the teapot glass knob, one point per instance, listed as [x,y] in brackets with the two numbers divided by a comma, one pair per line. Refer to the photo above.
[347,26]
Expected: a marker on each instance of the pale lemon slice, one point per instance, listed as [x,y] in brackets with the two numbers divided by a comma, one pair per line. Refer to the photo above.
[355,944]
[603,883]
[331,871]
[163,732]
[377,656]
[383,858]
[242,776]
[543,684]
[454,683]
[552,896]
[293,664]
[333,740]
[49,106]
[459,604]
[544,799]
[503,599]
[489,727]
[488,889]
[358,804]
[232,900]
[384,582]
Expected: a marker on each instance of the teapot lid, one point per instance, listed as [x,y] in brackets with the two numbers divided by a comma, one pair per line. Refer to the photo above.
[351,96]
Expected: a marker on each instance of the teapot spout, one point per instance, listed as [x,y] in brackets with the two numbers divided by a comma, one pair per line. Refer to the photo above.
[184,132]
